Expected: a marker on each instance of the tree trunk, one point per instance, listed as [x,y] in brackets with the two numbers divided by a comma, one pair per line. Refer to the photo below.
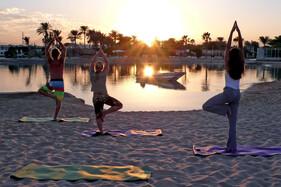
[84,40]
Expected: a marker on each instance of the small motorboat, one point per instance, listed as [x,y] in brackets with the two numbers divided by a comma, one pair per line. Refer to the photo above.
[171,76]
[163,80]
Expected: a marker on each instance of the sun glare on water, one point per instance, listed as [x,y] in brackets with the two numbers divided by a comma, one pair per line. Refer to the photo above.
[150,20]
[148,71]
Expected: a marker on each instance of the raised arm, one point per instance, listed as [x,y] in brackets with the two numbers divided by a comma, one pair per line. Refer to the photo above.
[62,47]
[228,45]
[94,59]
[240,40]
[100,53]
[105,59]
[48,48]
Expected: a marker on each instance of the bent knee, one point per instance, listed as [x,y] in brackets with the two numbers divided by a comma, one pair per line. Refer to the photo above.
[120,105]
[205,106]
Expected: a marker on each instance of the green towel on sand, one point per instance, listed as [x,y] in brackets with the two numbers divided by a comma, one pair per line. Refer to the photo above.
[48,119]
[86,172]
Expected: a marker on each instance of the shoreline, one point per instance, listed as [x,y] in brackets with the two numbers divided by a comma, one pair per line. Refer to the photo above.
[133,60]
[168,157]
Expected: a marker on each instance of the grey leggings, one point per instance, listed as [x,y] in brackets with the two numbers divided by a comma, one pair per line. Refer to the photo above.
[226,104]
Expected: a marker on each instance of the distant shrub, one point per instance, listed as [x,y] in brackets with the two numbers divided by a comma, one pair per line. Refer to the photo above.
[11,53]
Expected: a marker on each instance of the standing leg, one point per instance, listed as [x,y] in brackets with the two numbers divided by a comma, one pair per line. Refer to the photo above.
[231,142]
[58,106]
[217,104]
[59,95]
[99,124]
[98,104]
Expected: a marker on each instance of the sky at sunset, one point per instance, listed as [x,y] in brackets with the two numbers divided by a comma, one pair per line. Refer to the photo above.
[147,19]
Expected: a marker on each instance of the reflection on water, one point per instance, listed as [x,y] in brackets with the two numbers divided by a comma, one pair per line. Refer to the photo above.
[148,71]
[198,84]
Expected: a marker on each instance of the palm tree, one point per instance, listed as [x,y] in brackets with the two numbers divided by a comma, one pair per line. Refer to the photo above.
[236,39]
[220,39]
[96,37]
[125,42]
[192,41]
[276,42]
[91,35]
[114,35]
[84,30]
[134,40]
[26,40]
[206,37]
[101,38]
[119,37]
[74,35]
[44,29]
[185,40]
[57,33]
[264,40]
[220,43]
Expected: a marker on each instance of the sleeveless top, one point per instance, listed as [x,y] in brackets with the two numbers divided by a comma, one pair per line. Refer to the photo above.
[98,81]
[56,69]
[231,83]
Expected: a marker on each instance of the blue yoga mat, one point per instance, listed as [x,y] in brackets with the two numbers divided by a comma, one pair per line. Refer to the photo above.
[241,151]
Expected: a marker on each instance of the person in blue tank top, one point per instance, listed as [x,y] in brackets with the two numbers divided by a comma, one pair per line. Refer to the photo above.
[227,103]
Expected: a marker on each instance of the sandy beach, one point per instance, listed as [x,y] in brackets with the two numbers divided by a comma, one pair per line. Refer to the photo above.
[169,157]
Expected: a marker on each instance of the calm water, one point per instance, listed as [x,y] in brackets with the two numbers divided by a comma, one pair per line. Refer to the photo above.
[200,83]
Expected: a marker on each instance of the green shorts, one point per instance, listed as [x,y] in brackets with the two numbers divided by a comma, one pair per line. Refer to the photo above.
[55,88]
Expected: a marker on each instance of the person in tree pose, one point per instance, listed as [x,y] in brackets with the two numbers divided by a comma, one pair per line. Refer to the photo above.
[227,103]
[55,87]
[98,71]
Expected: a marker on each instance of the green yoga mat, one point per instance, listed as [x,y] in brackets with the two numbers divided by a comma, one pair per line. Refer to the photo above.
[82,172]
[48,119]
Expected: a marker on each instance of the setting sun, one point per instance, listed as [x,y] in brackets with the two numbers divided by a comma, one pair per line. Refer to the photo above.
[150,20]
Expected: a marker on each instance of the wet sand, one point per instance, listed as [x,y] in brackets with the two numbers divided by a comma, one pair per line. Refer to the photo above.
[169,157]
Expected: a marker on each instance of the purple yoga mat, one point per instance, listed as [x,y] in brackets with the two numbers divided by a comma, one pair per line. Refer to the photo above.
[133,132]
[241,151]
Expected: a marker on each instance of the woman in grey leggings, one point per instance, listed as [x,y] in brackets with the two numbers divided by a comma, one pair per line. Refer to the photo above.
[227,103]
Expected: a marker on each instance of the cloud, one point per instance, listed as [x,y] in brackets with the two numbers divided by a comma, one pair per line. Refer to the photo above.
[10,11]
[14,21]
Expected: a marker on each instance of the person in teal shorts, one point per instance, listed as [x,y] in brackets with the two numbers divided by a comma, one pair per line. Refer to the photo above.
[55,87]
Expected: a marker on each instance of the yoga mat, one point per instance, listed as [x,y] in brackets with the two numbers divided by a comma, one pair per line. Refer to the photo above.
[241,151]
[48,119]
[132,132]
[82,172]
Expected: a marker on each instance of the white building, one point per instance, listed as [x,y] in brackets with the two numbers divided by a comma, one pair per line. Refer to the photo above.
[213,53]
[271,54]
[3,49]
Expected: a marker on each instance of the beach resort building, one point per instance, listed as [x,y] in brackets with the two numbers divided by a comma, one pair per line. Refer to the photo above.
[213,53]
[3,49]
[20,51]
[271,54]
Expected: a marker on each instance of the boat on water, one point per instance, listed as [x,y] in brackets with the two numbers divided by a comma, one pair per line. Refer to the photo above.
[163,80]
[170,76]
